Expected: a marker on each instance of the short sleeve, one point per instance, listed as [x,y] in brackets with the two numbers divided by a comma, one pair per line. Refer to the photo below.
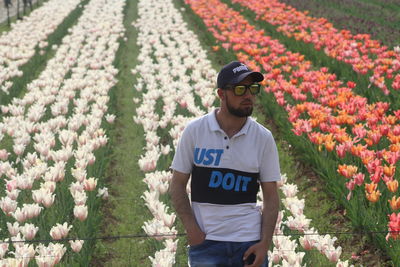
[269,165]
[183,158]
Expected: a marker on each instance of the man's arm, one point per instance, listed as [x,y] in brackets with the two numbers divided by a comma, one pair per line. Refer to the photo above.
[181,203]
[269,217]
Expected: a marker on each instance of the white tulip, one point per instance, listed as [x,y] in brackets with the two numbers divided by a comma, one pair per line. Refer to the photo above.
[29,231]
[76,245]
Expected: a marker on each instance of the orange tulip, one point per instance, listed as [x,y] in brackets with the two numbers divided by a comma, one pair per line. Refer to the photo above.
[373,196]
[369,141]
[316,137]
[394,139]
[301,107]
[341,136]
[391,119]
[347,170]
[330,145]
[394,203]
[394,147]
[264,82]
[314,123]
[392,185]
[357,149]
[367,159]
[389,170]
[369,188]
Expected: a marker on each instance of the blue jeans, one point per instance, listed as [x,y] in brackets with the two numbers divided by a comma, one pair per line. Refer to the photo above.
[220,254]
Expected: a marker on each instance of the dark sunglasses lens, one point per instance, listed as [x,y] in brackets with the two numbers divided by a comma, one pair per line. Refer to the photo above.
[239,90]
[254,89]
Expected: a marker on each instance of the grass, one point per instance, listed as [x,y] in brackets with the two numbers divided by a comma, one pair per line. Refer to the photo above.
[380,19]
[125,211]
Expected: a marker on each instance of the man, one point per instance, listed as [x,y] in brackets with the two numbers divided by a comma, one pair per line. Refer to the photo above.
[229,156]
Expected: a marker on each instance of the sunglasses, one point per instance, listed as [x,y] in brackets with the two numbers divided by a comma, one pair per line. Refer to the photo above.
[239,90]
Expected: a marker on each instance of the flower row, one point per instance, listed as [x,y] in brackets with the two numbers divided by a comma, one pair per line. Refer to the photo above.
[362,53]
[17,46]
[147,115]
[166,55]
[317,103]
[55,129]
[284,248]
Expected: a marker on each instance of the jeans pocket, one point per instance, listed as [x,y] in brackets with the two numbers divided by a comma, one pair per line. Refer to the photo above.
[204,243]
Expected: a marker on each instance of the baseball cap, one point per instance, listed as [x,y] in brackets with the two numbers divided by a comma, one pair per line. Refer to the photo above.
[234,73]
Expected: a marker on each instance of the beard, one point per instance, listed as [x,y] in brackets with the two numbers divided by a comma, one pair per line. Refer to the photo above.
[239,112]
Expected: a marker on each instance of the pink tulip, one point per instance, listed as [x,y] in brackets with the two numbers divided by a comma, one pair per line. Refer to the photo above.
[275,257]
[43,149]
[49,186]
[76,245]
[25,181]
[37,195]
[91,158]
[90,184]
[168,219]
[4,109]
[50,255]
[102,140]
[31,210]
[67,138]
[19,149]
[79,174]
[48,200]
[306,242]
[110,118]
[290,190]
[25,252]
[333,254]
[7,205]
[31,158]
[19,215]
[80,198]
[12,185]
[81,212]
[29,231]
[103,193]
[60,231]
[4,154]
[77,186]
[3,249]
[81,163]
[13,229]
[13,194]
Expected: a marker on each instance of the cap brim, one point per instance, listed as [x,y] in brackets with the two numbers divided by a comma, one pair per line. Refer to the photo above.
[257,77]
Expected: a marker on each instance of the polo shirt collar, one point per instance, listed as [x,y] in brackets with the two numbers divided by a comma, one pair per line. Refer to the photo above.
[214,125]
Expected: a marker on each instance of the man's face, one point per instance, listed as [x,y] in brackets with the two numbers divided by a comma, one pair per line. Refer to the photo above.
[240,106]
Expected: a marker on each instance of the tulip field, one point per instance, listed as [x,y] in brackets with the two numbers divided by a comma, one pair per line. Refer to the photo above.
[94,95]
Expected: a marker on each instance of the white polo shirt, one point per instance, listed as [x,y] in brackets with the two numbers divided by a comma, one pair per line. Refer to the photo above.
[225,175]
